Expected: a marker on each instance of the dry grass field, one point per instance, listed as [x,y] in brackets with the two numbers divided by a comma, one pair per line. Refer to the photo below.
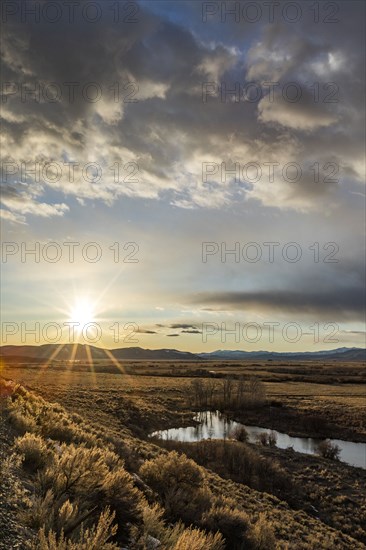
[302,394]
[280,498]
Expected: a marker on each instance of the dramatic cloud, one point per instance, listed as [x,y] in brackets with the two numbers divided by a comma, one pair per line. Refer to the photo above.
[345,304]
[171,132]
[145,111]
[183,325]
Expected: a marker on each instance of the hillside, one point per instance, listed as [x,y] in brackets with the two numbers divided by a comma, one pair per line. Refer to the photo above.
[110,489]
[339,354]
[82,352]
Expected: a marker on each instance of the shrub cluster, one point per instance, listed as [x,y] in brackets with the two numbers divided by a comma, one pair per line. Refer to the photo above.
[330,450]
[239,462]
[227,393]
[267,439]
[183,492]
[83,498]
[74,485]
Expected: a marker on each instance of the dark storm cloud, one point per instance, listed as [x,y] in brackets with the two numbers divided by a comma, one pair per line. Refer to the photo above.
[188,327]
[183,325]
[346,303]
[8,191]
[173,335]
[191,331]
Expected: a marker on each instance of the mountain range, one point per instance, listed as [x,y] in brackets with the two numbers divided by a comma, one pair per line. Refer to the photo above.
[343,354]
[81,352]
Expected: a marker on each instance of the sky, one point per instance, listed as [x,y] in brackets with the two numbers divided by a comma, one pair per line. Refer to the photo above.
[188,175]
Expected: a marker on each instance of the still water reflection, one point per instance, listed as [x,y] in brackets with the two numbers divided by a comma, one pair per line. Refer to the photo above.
[215,425]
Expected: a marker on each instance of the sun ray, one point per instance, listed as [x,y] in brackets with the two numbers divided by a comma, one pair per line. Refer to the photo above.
[45,365]
[115,361]
[70,361]
[90,359]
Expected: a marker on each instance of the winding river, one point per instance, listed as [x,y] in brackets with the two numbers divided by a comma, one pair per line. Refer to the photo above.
[215,425]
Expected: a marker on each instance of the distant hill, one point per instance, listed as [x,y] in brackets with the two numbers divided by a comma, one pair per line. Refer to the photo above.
[339,354]
[81,352]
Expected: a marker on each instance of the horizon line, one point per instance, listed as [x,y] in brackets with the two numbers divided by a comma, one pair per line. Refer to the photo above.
[182,351]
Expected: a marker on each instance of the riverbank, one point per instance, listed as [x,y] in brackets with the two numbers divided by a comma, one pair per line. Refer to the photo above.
[312,422]
[328,490]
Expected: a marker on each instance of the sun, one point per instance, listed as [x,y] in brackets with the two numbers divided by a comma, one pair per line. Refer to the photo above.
[82,312]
